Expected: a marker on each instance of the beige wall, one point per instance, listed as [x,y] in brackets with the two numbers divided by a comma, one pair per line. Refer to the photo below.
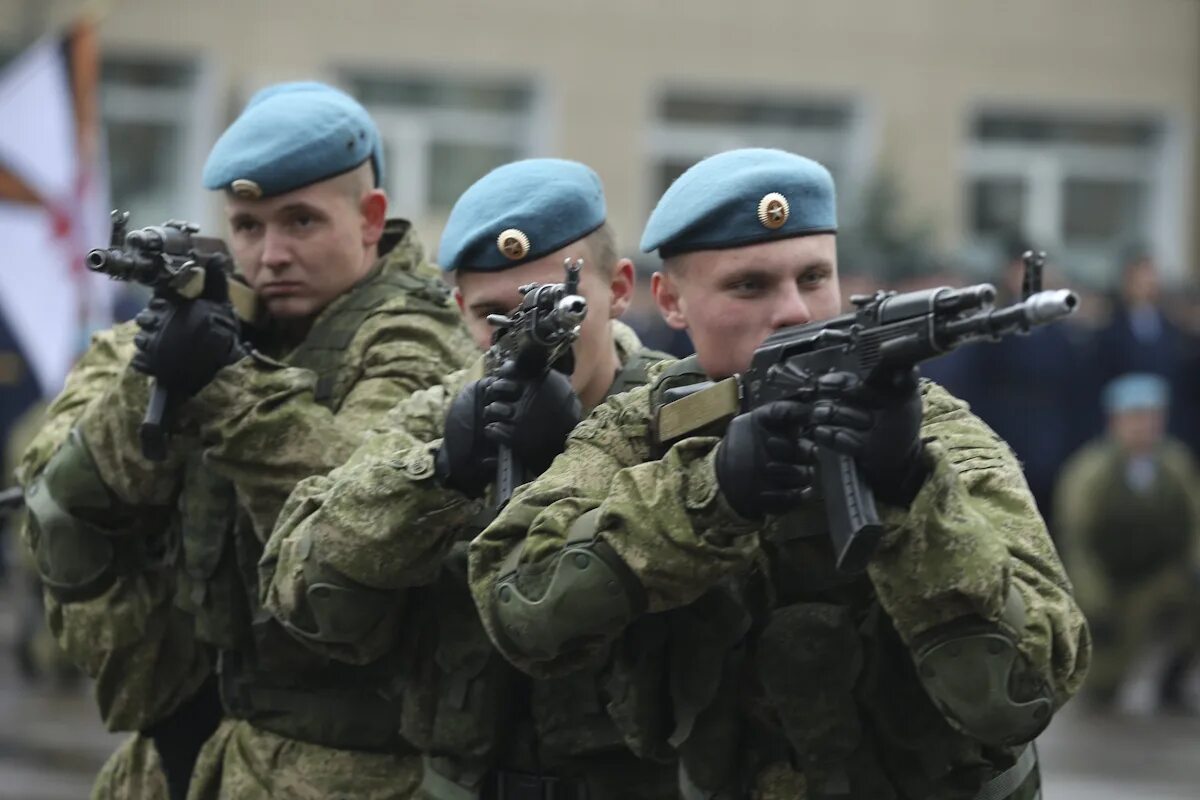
[920,66]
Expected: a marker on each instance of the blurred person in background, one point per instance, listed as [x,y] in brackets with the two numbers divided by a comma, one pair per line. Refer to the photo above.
[1141,337]
[1128,517]
[1027,388]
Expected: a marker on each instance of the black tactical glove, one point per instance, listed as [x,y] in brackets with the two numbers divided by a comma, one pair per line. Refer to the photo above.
[764,464]
[879,425]
[466,460]
[532,416]
[183,343]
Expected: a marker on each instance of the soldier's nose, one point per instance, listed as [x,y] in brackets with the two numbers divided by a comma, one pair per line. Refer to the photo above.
[791,310]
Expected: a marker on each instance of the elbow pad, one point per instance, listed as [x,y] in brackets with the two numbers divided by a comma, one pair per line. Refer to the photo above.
[590,596]
[336,609]
[76,559]
[983,684]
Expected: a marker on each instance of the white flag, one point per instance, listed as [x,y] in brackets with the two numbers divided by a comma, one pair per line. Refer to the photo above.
[53,202]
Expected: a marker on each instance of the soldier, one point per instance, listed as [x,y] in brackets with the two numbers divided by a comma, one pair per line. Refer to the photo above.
[1129,518]
[151,566]
[924,677]
[371,559]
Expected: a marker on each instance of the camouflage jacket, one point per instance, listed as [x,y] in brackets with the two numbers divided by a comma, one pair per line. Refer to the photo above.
[969,549]
[371,560]
[258,425]
[379,520]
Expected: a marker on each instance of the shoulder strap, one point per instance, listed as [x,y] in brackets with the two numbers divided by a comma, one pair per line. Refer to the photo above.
[324,349]
[634,372]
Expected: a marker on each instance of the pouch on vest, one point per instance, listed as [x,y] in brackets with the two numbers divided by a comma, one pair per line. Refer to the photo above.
[633,683]
[706,674]
[209,588]
[570,716]
[459,692]
[808,659]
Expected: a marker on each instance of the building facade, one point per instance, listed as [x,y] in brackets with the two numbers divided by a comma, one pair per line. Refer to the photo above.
[1074,122]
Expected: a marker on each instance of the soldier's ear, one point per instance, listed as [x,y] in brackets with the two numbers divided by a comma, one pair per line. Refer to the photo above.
[373,207]
[665,289]
[621,286]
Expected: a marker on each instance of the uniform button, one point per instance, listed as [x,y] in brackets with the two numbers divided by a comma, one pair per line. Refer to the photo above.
[419,467]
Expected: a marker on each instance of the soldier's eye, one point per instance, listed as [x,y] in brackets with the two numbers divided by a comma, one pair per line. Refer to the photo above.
[746,286]
[246,225]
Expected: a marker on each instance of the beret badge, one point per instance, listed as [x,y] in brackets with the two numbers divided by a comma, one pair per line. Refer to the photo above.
[243,187]
[773,210]
[513,243]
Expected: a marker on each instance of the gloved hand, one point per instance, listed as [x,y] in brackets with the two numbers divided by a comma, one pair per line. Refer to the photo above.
[879,425]
[532,416]
[466,460]
[183,343]
[765,465]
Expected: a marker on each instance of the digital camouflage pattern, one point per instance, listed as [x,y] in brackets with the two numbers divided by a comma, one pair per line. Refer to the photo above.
[132,771]
[259,426]
[35,642]
[379,519]
[241,762]
[129,639]
[970,537]
[382,529]
[257,420]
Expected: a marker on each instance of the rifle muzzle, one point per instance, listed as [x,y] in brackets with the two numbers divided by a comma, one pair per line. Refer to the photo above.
[1050,305]
[97,260]
[121,265]
[572,309]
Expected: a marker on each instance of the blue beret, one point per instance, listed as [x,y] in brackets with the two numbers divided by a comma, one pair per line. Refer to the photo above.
[1134,391]
[291,135]
[520,212]
[742,197]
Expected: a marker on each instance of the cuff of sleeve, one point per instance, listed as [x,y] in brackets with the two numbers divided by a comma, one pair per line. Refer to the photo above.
[713,519]
[941,558]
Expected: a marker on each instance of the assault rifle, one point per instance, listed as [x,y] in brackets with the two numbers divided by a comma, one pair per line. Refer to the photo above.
[886,331]
[535,335]
[175,262]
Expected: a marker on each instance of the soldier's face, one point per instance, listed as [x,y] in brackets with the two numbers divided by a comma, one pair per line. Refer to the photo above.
[730,301]
[1138,431]
[483,293]
[300,250]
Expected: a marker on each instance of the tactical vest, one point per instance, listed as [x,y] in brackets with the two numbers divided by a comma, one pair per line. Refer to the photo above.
[266,677]
[823,681]
[472,712]
[1136,533]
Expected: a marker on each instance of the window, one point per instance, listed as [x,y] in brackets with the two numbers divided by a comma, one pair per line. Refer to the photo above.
[157,130]
[1080,186]
[694,124]
[442,134]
